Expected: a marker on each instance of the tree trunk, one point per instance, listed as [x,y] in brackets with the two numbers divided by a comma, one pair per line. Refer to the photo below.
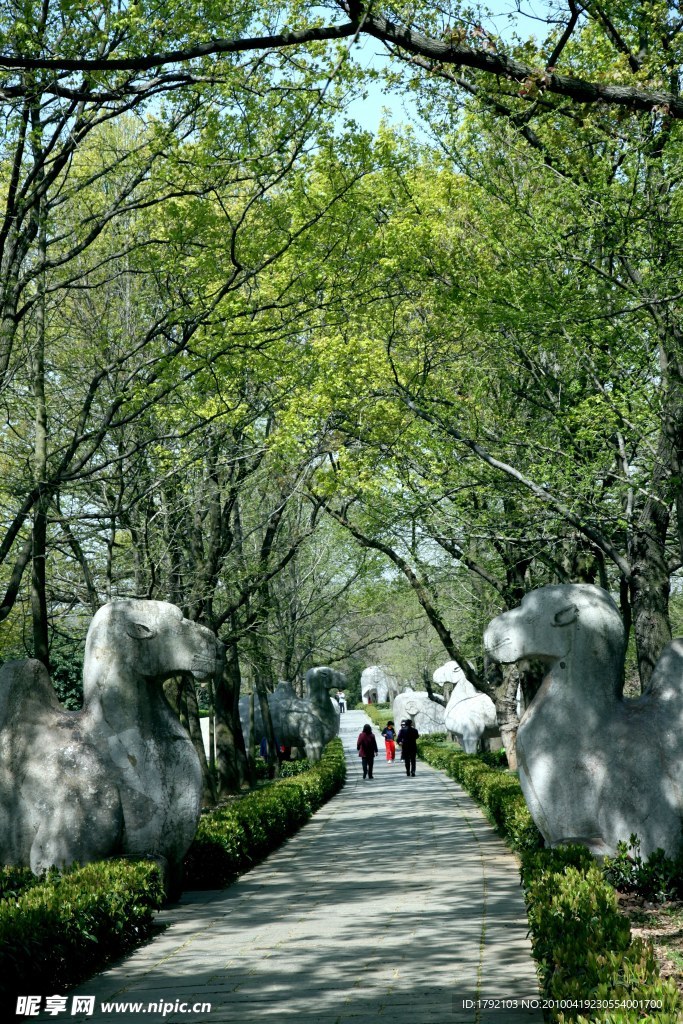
[506,712]
[231,762]
[39,554]
[649,592]
[195,731]
[181,694]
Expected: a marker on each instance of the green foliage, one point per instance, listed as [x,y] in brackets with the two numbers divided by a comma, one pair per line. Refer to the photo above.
[379,714]
[231,839]
[583,944]
[288,769]
[16,880]
[658,878]
[66,675]
[580,940]
[66,926]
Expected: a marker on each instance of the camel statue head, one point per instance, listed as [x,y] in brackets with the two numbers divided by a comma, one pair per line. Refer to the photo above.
[577,626]
[146,640]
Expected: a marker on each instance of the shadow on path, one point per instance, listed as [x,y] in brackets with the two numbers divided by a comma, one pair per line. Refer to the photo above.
[396,901]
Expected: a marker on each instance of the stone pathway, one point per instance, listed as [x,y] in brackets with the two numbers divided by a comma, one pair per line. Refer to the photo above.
[397,901]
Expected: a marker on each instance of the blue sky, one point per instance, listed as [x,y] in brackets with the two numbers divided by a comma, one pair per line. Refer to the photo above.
[368,113]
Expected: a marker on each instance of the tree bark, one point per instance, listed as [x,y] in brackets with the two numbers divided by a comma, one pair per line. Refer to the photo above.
[231,762]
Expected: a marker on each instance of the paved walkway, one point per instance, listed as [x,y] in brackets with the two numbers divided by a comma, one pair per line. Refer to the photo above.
[396,901]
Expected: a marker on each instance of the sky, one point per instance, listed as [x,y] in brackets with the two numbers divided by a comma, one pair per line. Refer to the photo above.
[369,112]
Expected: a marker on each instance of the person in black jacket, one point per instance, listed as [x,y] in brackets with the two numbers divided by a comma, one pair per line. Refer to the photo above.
[407,740]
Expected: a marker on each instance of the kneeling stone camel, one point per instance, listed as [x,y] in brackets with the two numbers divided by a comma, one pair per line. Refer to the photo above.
[594,767]
[309,722]
[119,777]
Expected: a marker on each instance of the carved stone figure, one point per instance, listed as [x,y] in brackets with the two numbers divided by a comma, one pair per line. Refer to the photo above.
[120,776]
[594,767]
[309,722]
[317,685]
[427,716]
[58,800]
[470,715]
[378,685]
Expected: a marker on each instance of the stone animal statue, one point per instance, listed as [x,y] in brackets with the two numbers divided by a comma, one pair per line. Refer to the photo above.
[378,685]
[426,715]
[317,685]
[470,715]
[119,777]
[594,767]
[307,722]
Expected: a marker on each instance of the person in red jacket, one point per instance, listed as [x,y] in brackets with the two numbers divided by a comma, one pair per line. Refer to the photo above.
[367,748]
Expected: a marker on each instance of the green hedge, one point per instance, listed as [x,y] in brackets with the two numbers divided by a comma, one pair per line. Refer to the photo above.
[14,881]
[65,926]
[231,840]
[581,942]
[58,929]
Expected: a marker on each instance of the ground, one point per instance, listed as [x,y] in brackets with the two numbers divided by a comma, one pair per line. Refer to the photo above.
[662,925]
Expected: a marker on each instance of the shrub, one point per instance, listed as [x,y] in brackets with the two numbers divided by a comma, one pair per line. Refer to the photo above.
[68,925]
[581,942]
[15,880]
[658,878]
[290,768]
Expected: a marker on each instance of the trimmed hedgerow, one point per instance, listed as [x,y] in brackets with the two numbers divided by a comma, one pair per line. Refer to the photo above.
[581,942]
[583,945]
[230,840]
[68,925]
[15,880]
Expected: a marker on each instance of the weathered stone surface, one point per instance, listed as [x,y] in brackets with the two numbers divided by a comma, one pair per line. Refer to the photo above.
[594,767]
[470,715]
[427,716]
[121,776]
[58,801]
[309,722]
[378,685]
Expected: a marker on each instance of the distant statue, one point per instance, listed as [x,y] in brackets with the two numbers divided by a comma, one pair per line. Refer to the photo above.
[427,716]
[378,685]
[119,777]
[594,767]
[308,722]
[470,715]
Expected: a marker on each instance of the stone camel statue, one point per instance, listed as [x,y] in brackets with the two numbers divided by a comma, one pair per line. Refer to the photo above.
[594,767]
[378,685]
[309,722]
[119,777]
[425,714]
[470,715]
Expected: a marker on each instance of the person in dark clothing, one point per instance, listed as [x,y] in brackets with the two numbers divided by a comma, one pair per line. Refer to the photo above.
[407,740]
[367,748]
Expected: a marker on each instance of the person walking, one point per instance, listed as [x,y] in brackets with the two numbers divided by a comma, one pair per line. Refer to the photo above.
[367,748]
[389,733]
[341,701]
[407,740]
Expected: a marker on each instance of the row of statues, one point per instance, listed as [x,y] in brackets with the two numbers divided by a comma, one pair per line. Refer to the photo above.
[122,776]
[468,715]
